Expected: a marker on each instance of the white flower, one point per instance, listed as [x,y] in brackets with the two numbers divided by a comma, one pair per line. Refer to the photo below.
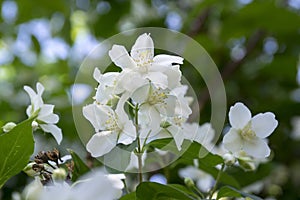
[142,66]
[96,185]
[204,180]
[159,107]
[107,86]
[248,133]
[111,127]
[182,107]
[46,119]
[154,104]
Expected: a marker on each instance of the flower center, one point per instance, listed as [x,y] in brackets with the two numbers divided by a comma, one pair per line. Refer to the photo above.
[157,97]
[111,123]
[144,60]
[178,120]
[247,133]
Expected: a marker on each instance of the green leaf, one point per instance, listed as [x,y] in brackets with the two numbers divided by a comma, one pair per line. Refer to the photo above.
[189,152]
[194,150]
[184,189]
[250,177]
[130,196]
[228,191]
[80,167]
[156,191]
[16,147]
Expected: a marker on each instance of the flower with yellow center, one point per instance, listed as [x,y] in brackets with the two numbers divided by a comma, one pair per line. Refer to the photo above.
[155,103]
[141,66]
[111,127]
[248,133]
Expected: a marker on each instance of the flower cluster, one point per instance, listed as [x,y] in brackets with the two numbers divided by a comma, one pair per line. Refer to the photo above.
[45,119]
[151,86]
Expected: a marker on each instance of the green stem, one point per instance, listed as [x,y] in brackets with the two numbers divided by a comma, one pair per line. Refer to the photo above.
[199,192]
[139,149]
[217,181]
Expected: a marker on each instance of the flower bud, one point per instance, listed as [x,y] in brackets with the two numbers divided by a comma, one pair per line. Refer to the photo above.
[189,182]
[8,126]
[29,169]
[59,174]
[229,159]
[247,164]
[34,125]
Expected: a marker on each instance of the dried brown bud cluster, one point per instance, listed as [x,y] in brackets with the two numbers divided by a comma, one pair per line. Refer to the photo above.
[42,162]
[44,157]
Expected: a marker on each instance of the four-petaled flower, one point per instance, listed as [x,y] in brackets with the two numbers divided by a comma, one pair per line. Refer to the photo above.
[45,119]
[248,133]
[111,127]
[142,66]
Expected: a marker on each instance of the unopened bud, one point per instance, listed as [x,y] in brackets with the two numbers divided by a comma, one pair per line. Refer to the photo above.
[8,126]
[229,159]
[34,125]
[59,174]
[29,169]
[189,182]
[247,164]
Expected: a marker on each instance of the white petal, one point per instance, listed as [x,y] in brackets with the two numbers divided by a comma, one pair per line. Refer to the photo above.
[92,113]
[190,172]
[120,113]
[49,119]
[29,110]
[167,109]
[182,107]
[205,135]
[115,180]
[54,130]
[257,148]
[102,143]
[46,114]
[174,76]
[128,135]
[143,44]
[190,130]
[46,109]
[120,57]
[179,91]
[163,59]
[205,183]
[239,115]
[30,92]
[232,141]
[141,94]
[153,117]
[40,88]
[264,124]
[97,75]
[97,186]
[177,134]
[158,79]
[130,81]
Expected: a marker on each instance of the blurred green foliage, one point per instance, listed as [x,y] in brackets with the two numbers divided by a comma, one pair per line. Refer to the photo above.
[255,44]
